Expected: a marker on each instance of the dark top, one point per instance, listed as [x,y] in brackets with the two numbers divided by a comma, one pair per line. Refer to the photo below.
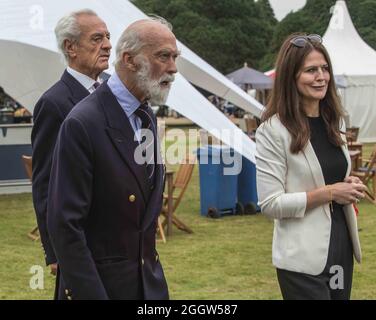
[332,160]
[334,166]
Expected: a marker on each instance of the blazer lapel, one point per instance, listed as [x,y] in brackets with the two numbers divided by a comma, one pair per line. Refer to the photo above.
[316,171]
[122,135]
[78,91]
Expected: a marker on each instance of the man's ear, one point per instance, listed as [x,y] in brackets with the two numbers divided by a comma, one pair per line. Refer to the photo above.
[70,48]
[129,62]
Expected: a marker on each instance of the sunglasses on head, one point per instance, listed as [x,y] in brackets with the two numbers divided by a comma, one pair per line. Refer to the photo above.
[301,41]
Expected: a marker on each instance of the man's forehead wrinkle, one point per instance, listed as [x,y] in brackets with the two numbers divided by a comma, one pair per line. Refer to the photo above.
[152,33]
[92,24]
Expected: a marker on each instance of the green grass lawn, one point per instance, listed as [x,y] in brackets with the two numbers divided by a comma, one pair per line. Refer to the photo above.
[227,258]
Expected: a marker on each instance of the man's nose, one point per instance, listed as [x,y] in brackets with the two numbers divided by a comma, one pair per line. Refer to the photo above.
[106,44]
[172,67]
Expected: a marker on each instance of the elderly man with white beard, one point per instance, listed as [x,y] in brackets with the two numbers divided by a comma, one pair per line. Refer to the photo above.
[104,201]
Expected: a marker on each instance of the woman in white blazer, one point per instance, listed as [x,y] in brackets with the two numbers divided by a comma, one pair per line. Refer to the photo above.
[303,180]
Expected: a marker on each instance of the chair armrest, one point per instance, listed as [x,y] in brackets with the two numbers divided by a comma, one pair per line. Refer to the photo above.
[165,196]
[358,174]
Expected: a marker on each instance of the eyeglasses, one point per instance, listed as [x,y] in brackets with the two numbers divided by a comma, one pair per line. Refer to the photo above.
[301,41]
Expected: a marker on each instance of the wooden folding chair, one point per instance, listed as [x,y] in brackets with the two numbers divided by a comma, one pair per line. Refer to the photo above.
[251,126]
[161,128]
[367,173]
[352,134]
[27,161]
[182,178]
[208,139]
[160,230]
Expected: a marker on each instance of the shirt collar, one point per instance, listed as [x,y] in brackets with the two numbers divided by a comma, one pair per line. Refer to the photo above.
[86,81]
[125,98]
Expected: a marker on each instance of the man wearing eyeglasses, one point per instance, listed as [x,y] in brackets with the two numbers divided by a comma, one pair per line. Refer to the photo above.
[83,39]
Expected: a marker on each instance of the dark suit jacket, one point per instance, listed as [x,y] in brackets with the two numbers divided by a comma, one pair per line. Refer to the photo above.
[102,209]
[49,113]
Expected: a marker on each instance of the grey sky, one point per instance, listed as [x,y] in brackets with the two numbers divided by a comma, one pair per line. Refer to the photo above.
[283,7]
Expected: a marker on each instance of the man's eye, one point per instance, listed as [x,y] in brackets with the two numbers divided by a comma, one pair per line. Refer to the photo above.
[166,56]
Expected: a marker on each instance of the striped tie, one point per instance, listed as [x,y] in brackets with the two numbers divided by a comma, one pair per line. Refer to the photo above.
[143,112]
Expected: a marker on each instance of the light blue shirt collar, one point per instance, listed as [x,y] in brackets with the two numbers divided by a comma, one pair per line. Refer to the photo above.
[127,100]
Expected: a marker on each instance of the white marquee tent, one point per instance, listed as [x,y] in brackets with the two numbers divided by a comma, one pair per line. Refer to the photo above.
[30,62]
[355,60]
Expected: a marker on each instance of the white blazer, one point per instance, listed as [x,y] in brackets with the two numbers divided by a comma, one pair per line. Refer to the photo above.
[301,237]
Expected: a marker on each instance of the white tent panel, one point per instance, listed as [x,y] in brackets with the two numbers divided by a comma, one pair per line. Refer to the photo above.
[354,60]
[27,71]
[191,104]
[33,24]
[351,55]
[30,53]
[205,76]
[360,103]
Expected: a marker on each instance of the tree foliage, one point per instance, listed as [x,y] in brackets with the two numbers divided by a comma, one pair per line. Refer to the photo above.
[314,17]
[227,33]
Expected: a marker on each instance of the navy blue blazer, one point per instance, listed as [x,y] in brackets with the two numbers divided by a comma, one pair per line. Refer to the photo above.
[49,113]
[102,209]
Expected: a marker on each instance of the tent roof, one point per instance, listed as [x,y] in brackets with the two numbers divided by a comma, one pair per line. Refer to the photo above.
[33,23]
[247,75]
[350,55]
[29,56]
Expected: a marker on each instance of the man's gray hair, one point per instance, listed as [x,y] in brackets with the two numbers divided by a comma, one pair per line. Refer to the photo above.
[131,41]
[68,28]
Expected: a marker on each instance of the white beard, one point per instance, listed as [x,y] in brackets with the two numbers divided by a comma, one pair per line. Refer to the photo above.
[156,94]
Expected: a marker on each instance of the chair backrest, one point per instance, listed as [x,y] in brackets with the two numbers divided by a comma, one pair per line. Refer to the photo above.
[371,166]
[184,173]
[352,134]
[27,161]
[207,139]
[161,131]
[182,178]
[251,124]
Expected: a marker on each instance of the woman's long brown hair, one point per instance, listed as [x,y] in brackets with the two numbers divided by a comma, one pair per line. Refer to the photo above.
[286,102]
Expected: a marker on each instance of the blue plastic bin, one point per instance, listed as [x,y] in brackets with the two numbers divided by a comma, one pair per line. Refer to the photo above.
[218,192]
[247,189]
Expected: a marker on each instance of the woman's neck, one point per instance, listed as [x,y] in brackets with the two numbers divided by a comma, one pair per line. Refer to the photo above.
[312,109]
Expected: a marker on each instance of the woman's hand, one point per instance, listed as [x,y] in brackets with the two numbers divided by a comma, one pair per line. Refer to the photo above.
[348,192]
[352,179]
